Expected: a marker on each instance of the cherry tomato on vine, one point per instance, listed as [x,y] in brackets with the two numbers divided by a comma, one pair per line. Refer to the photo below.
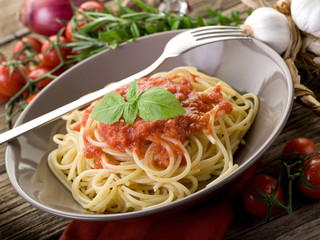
[91,6]
[38,73]
[4,98]
[51,57]
[31,97]
[312,175]
[10,85]
[24,43]
[40,61]
[303,145]
[33,42]
[69,32]
[266,184]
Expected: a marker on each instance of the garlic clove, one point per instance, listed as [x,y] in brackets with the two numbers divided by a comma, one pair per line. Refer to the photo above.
[269,26]
[316,60]
[311,44]
[306,15]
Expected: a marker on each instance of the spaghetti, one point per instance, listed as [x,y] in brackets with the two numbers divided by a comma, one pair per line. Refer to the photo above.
[123,167]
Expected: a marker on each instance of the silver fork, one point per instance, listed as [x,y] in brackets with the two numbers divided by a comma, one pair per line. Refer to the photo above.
[178,45]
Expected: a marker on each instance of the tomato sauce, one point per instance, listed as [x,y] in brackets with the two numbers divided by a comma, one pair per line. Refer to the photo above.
[122,135]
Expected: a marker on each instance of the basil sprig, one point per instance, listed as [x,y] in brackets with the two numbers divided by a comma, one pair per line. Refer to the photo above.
[153,104]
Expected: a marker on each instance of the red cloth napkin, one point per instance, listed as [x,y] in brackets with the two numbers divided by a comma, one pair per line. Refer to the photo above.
[209,219]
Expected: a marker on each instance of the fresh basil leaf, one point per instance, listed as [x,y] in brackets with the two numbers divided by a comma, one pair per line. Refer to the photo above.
[130,111]
[157,103]
[109,109]
[132,92]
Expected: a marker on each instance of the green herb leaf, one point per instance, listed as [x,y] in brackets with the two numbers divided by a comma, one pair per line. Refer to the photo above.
[130,111]
[200,21]
[109,109]
[105,37]
[211,12]
[175,25]
[114,35]
[157,103]
[134,30]
[235,16]
[150,28]
[145,7]
[132,92]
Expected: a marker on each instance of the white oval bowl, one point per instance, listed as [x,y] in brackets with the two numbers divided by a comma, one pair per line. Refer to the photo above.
[248,66]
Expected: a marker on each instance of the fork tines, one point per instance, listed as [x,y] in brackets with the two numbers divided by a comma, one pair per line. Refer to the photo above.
[218,31]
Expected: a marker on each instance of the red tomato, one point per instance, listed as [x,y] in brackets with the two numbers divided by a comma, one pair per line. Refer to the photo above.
[33,42]
[39,58]
[51,57]
[21,46]
[312,174]
[37,73]
[9,86]
[303,145]
[91,6]
[264,183]
[4,98]
[31,97]
[69,33]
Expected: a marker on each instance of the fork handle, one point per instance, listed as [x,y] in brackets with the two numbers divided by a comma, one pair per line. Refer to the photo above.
[81,102]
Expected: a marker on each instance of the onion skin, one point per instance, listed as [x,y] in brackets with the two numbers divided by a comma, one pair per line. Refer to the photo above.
[40,16]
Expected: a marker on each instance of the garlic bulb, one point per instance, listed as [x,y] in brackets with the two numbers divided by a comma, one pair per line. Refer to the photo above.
[269,26]
[311,44]
[306,15]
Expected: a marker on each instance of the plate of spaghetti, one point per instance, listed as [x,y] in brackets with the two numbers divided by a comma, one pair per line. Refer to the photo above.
[164,141]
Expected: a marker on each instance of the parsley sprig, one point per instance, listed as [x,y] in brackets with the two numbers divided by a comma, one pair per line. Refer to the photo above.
[152,104]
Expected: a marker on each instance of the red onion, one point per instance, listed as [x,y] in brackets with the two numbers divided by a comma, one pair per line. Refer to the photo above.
[41,16]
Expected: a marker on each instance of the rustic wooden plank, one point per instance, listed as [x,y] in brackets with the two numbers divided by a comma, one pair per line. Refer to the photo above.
[36,224]
[9,21]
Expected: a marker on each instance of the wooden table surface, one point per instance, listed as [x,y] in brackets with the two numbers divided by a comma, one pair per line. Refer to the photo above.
[19,220]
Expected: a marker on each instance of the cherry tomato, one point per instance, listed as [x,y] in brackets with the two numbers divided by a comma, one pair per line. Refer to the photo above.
[4,98]
[31,97]
[39,58]
[303,145]
[37,73]
[69,33]
[32,42]
[264,183]
[312,174]
[91,6]
[51,57]
[9,86]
